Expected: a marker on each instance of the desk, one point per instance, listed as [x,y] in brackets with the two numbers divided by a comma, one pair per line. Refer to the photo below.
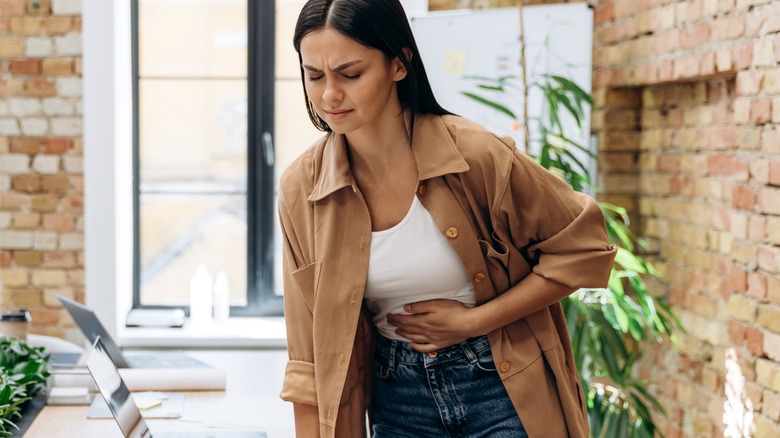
[248,373]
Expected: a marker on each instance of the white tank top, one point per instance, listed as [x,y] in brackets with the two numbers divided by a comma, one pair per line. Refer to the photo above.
[411,262]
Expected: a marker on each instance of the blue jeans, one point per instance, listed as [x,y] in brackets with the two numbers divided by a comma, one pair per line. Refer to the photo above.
[455,393]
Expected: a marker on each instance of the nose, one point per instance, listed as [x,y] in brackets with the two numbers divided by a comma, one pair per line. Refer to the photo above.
[332,93]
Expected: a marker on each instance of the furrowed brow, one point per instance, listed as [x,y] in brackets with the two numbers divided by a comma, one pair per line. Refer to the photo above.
[344,66]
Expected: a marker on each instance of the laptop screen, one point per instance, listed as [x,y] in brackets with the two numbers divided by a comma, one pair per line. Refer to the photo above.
[90,325]
[115,392]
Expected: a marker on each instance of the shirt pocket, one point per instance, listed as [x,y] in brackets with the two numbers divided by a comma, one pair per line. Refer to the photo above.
[307,279]
[496,255]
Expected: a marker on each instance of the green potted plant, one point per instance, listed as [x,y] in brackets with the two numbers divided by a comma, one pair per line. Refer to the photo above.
[609,327]
[23,373]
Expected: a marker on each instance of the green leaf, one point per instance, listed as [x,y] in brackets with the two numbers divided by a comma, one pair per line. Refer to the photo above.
[490,103]
[574,88]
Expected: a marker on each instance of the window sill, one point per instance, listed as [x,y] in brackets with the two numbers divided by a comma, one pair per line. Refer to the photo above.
[236,333]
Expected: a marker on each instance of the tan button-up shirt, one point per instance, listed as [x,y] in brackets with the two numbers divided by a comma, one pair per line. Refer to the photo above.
[507,218]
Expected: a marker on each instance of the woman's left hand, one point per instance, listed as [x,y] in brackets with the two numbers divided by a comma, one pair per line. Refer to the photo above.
[434,324]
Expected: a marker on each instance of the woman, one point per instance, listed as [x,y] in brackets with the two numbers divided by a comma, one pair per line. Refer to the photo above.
[420,251]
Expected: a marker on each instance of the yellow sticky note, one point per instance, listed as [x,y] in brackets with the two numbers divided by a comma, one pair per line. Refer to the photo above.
[454,63]
[146,403]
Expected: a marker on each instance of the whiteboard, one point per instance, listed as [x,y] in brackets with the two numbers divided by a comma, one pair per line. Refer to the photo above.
[457,45]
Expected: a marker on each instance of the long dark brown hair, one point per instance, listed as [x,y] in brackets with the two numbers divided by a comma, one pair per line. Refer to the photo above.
[378,24]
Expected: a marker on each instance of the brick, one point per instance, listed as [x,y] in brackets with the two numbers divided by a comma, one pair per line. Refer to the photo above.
[773,289]
[776,109]
[25,145]
[728,28]
[59,107]
[26,221]
[58,66]
[769,317]
[37,126]
[28,258]
[773,172]
[44,240]
[742,308]
[748,138]
[57,25]
[11,48]
[39,7]
[46,164]
[770,140]
[14,163]
[66,7]
[38,47]
[26,183]
[40,88]
[742,56]
[757,228]
[11,87]
[60,259]
[769,259]
[68,45]
[57,145]
[749,82]
[56,183]
[16,239]
[45,317]
[744,253]
[761,111]
[771,83]
[26,26]
[12,8]
[773,230]
[769,200]
[49,278]
[764,52]
[25,66]
[44,203]
[727,165]
[772,345]
[695,35]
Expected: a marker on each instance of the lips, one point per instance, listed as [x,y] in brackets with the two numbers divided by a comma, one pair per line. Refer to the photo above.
[337,114]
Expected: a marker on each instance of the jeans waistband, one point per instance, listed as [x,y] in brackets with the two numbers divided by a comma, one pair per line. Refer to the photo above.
[392,351]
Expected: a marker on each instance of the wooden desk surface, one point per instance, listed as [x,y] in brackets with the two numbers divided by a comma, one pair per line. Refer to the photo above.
[248,373]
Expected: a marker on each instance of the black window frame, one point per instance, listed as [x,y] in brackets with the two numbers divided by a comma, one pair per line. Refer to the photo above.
[261,209]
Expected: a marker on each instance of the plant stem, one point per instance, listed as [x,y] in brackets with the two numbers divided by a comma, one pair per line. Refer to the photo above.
[527,132]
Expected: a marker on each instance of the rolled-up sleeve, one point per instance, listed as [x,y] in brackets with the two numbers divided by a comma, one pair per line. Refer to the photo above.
[299,383]
[561,232]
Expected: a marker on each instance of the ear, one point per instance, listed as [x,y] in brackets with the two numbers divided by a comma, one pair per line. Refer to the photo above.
[399,68]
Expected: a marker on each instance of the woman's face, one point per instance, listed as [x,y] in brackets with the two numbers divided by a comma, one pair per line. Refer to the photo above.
[351,86]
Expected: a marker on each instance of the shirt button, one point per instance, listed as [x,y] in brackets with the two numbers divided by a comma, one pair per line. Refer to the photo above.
[422,189]
[433,354]
[479,277]
[452,232]
[505,367]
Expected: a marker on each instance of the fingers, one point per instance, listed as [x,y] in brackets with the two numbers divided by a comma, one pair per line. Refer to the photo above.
[423,348]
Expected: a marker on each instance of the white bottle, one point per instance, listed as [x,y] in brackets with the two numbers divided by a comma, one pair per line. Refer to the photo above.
[200,296]
[221,297]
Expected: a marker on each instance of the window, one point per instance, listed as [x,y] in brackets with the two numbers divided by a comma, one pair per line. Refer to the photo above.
[204,158]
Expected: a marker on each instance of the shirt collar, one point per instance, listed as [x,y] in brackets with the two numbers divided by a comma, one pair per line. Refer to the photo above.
[434,150]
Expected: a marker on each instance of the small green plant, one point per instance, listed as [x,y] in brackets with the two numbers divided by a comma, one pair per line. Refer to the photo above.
[23,373]
[609,327]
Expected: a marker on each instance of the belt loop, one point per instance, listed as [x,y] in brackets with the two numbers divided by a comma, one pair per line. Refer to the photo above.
[468,351]
[393,345]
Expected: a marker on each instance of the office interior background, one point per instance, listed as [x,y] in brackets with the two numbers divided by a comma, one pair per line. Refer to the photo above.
[686,117]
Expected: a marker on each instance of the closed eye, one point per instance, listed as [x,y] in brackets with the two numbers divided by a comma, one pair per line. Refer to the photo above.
[314,78]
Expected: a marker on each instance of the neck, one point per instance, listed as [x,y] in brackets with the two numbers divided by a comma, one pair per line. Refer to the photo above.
[380,151]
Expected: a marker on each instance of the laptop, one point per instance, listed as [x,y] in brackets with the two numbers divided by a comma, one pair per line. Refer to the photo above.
[125,411]
[90,325]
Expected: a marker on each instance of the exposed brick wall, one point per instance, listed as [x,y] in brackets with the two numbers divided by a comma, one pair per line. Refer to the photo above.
[41,180]
[687,97]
